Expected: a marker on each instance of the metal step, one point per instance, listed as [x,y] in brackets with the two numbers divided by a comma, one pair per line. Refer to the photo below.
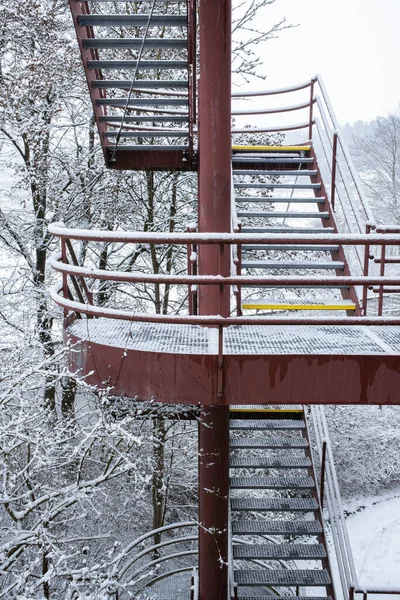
[267,408]
[281,186]
[266,443]
[272,483]
[262,462]
[299,172]
[265,424]
[274,504]
[283,577]
[254,527]
[147,119]
[295,200]
[336,265]
[159,65]
[288,230]
[140,102]
[139,1]
[280,551]
[125,84]
[272,160]
[147,134]
[297,304]
[283,215]
[135,43]
[286,597]
[296,248]
[132,20]
[143,148]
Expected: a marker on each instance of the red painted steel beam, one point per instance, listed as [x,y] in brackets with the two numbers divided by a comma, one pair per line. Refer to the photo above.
[214,216]
[156,160]
[77,9]
[250,379]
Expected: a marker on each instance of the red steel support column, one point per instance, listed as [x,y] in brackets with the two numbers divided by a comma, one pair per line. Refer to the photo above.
[214,215]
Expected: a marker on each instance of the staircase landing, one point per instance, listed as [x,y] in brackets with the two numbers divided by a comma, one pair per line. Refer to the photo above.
[279,364]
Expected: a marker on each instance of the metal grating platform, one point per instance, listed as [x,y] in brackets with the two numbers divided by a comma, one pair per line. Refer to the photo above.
[284,462]
[262,443]
[243,596]
[276,527]
[282,577]
[280,551]
[265,424]
[246,339]
[274,504]
[273,483]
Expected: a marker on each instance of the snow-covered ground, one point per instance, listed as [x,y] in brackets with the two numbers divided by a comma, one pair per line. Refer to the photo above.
[374,531]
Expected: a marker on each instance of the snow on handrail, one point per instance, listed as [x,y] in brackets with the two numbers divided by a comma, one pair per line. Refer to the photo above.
[139,237]
[287,90]
[349,160]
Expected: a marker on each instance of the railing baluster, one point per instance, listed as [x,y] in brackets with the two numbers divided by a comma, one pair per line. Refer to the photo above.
[382,274]
[333,181]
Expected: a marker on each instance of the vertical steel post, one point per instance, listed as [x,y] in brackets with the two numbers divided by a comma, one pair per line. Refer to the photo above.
[333,181]
[381,274]
[311,115]
[214,216]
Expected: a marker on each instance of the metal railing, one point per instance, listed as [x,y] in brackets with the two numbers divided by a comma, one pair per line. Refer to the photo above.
[83,303]
[127,571]
[331,499]
[328,131]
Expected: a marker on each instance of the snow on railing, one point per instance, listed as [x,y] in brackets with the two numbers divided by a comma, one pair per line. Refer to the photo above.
[83,301]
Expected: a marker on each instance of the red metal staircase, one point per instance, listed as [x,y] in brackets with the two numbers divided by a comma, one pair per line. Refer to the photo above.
[276,306]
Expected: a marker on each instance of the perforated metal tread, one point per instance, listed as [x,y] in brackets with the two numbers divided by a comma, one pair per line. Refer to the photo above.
[243,596]
[272,483]
[280,551]
[281,408]
[254,527]
[265,443]
[283,462]
[272,424]
[282,577]
[274,504]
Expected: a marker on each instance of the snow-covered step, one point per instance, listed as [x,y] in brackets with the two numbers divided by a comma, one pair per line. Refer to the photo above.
[269,264]
[133,20]
[297,304]
[135,43]
[268,443]
[272,483]
[290,248]
[279,551]
[256,527]
[281,186]
[281,199]
[144,65]
[283,215]
[274,504]
[288,230]
[265,424]
[283,577]
[288,173]
[262,462]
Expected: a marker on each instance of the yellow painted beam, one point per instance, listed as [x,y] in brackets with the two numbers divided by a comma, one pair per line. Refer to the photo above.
[272,148]
[299,306]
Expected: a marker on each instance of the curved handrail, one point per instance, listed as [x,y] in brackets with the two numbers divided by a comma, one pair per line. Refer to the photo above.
[287,90]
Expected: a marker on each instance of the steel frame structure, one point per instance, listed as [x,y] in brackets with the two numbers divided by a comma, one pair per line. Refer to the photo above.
[218,379]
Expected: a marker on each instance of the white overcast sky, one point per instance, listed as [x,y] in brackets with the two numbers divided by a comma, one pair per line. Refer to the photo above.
[353,44]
